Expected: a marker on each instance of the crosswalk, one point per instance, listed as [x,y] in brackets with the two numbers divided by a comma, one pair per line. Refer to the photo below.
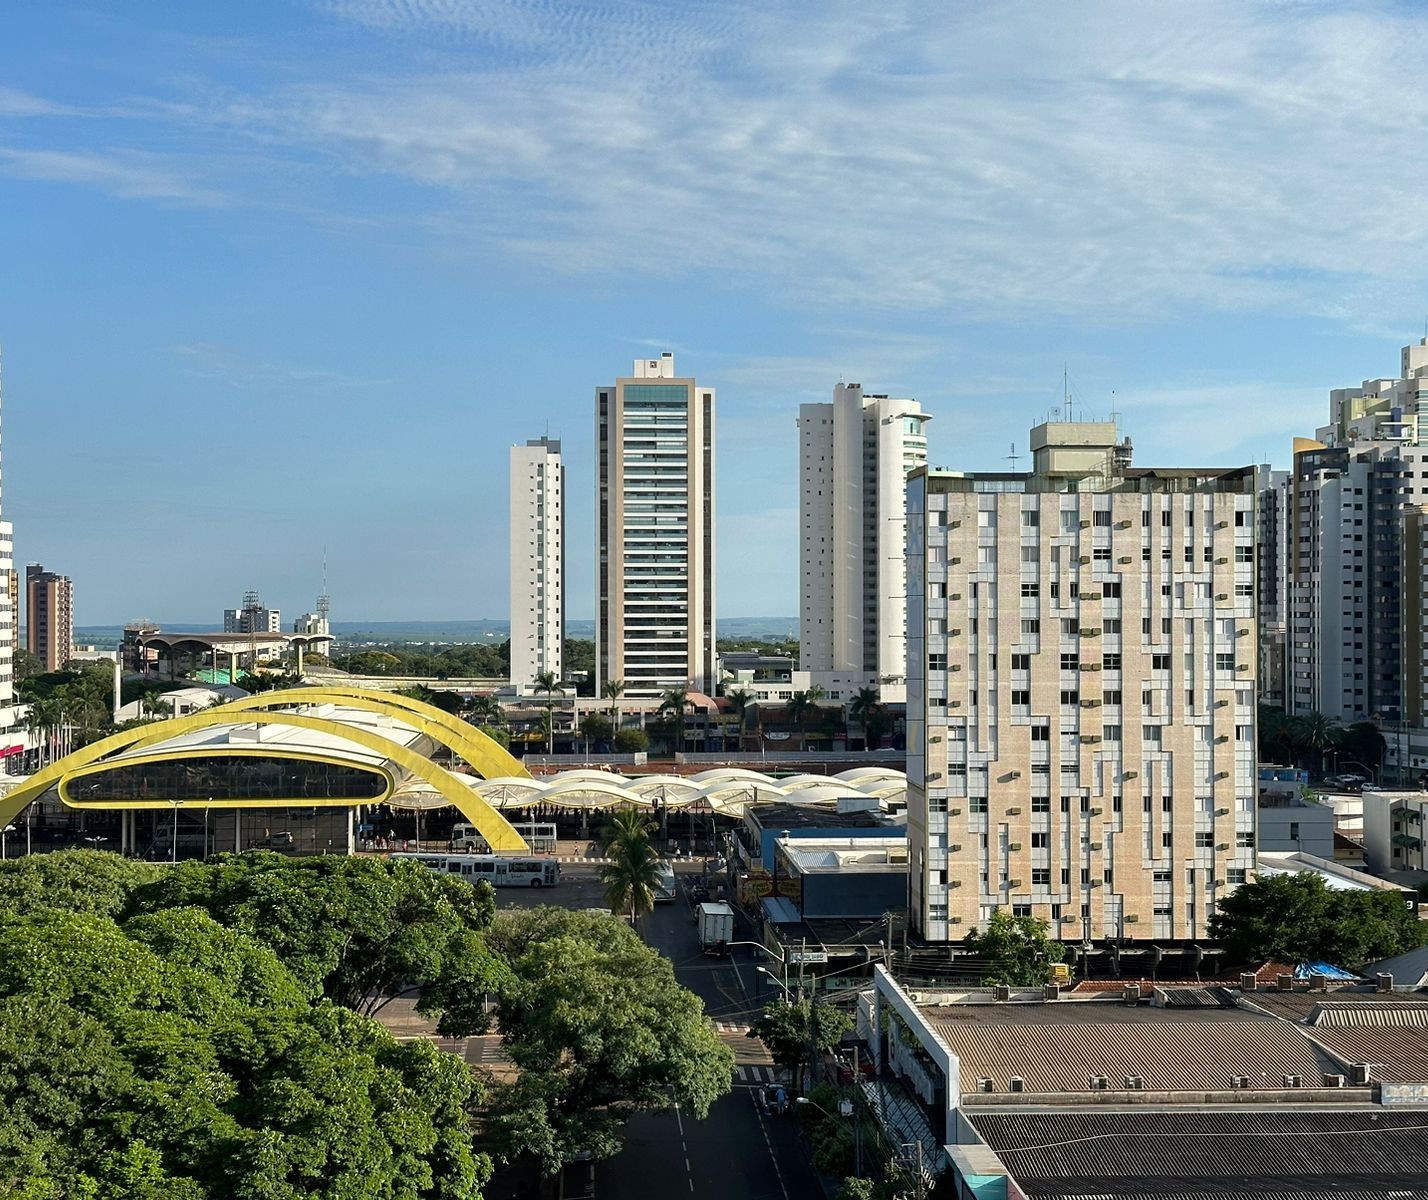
[755,1074]
[731,1026]
[579,858]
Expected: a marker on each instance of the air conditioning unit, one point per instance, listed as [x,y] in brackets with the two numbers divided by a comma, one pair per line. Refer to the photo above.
[1095,812]
[1123,524]
[1085,524]
[1133,919]
[954,812]
[1239,1082]
[955,596]
[954,848]
[1095,883]
[1051,991]
[1090,666]
[1013,883]
[954,704]
[1084,559]
[954,883]
[1130,774]
[1222,812]
[1014,811]
[934,739]
[1124,558]
[1098,1083]
[1334,1081]
[954,633]
[1221,739]
[954,524]
[1001,992]
[1242,633]
[1384,981]
[954,667]
[1016,1084]
[953,561]
[1135,1083]
[954,920]
[1222,845]
[1095,845]
[1293,1081]
[1089,631]
[1222,703]
[1130,994]
[1220,562]
[1221,597]
[1222,524]
[1248,981]
[1358,1074]
[1013,846]
[985,1085]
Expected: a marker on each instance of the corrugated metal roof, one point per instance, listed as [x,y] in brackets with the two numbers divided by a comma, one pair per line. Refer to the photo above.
[1384,1014]
[1172,1050]
[1262,1152]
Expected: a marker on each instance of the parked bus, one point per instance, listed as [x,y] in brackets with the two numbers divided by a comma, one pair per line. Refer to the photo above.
[540,837]
[498,870]
[665,890]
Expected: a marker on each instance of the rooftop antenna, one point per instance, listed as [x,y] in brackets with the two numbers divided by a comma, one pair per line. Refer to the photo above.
[1115,412]
[1013,456]
[1066,390]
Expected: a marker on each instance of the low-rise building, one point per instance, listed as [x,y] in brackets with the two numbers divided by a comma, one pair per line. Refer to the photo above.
[1289,822]
[845,876]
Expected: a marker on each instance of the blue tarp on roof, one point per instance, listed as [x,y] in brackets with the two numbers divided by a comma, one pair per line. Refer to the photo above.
[1327,970]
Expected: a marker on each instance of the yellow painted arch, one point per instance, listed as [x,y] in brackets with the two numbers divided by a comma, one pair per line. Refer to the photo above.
[487,757]
[492,826]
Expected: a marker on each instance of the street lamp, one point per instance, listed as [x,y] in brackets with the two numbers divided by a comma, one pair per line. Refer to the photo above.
[845,1106]
[773,979]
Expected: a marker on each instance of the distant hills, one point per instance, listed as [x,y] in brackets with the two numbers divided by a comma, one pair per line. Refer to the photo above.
[109,636]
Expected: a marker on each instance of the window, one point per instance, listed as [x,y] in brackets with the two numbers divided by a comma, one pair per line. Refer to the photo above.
[1145,519]
[1225,662]
[1111,662]
[1111,591]
[1165,519]
[1244,554]
[1028,554]
[1102,519]
[1244,840]
[1020,698]
[1235,876]
[1167,804]
[937,662]
[1111,626]
[1041,877]
[1111,733]
[1161,877]
[1150,734]
[1069,696]
[1066,804]
[1069,627]
[1111,696]
[1021,662]
[1070,662]
[1030,625]
[1030,518]
[1068,522]
[1101,554]
[1041,733]
[1204,840]
[977,804]
[1041,841]
[1030,591]
[1160,662]
[984,519]
[1041,804]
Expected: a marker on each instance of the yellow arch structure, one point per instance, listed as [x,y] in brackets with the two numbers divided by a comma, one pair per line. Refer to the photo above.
[492,826]
[487,757]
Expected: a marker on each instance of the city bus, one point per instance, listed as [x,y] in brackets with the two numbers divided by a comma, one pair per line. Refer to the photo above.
[539,836]
[665,890]
[499,870]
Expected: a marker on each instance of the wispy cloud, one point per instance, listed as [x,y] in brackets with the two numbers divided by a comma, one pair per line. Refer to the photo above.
[241,370]
[121,173]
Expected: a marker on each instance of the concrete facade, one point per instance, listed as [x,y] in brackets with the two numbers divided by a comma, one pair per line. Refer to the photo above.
[655,624]
[49,616]
[854,458]
[537,529]
[1081,692]
[252,617]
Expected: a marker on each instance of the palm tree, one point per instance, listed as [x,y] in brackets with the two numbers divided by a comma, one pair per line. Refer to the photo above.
[1316,733]
[674,702]
[549,684]
[739,700]
[487,709]
[631,877]
[612,691]
[864,704]
[632,874]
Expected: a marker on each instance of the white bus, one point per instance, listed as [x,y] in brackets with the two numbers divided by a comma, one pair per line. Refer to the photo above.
[496,869]
[540,837]
[665,889]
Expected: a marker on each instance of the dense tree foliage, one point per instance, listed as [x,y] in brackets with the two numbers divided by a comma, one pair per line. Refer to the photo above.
[1016,950]
[355,930]
[1313,740]
[198,1030]
[168,1056]
[791,1028]
[1298,918]
[599,1028]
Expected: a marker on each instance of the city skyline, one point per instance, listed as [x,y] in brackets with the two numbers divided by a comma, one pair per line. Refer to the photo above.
[293,225]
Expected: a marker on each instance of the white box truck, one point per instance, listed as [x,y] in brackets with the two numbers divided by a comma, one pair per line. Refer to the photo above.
[716,927]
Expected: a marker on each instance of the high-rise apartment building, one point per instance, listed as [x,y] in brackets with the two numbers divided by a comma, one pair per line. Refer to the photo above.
[537,562]
[49,616]
[654,434]
[1081,691]
[1272,583]
[1348,545]
[252,617]
[855,455]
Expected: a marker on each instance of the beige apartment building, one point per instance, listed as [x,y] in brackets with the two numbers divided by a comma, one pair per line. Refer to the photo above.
[654,435]
[1081,691]
[49,616]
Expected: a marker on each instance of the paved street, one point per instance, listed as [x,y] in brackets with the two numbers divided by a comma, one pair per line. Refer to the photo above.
[737,1153]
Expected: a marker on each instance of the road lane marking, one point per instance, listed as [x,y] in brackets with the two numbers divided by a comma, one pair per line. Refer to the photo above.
[773,1158]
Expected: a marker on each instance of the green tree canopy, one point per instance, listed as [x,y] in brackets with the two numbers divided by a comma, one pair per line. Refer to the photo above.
[599,1028]
[79,881]
[789,1027]
[1298,918]
[1017,950]
[356,930]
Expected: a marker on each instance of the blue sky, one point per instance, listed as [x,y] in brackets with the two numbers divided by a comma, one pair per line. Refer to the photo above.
[275,276]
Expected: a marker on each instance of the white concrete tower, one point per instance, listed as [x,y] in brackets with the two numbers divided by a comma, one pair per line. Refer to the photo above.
[854,458]
[654,434]
[537,562]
